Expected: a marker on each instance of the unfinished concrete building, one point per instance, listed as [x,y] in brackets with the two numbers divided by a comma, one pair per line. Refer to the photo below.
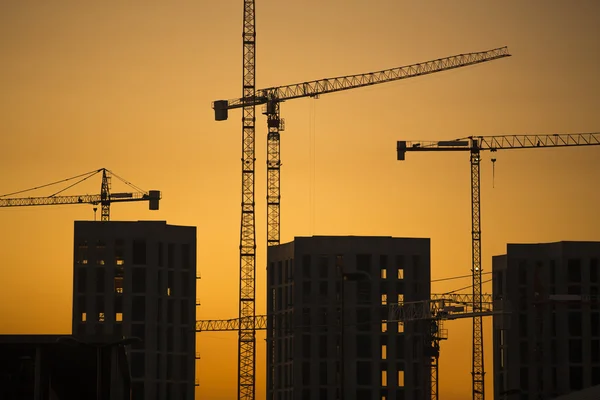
[549,344]
[327,305]
[137,279]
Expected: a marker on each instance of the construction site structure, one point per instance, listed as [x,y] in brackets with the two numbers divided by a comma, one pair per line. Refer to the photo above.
[474,145]
[104,199]
[271,99]
[550,345]
[439,308]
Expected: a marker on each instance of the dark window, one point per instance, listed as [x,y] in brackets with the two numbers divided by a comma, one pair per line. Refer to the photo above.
[524,378]
[184,368]
[306,373]
[575,348]
[363,346]
[523,350]
[595,376]
[306,346]
[138,330]
[170,311]
[137,390]
[595,351]
[553,351]
[522,272]
[170,338]
[595,323]
[322,394]
[363,289]
[306,394]
[523,325]
[363,394]
[576,378]
[416,261]
[100,279]
[138,308]
[594,270]
[574,270]
[139,252]
[323,373]
[552,272]
[81,279]
[185,310]
[170,255]
[306,266]
[400,347]
[138,280]
[322,346]
[160,254]
[323,267]
[363,373]
[574,323]
[185,256]
[323,288]
[363,319]
[363,262]
[137,365]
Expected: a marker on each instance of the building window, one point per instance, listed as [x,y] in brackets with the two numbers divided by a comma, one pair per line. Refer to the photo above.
[100,278]
[323,346]
[574,270]
[400,327]
[400,266]
[524,379]
[363,373]
[576,378]
[323,267]
[384,378]
[119,317]
[81,279]
[137,364]
[363,319]
[595,324]
[118,283]
[306,346]
[522,272]
[384,351]
[383,261]
[400,378]
[138,309]
[83,317]
[306,373]
[82,252]
[323,373]
[185,256]
[363,346]
[595,376]
[384,324]
[138,251]
[594,270]
[170,255]
[574,323]
[400,298]
[306,266]
[523,350]
[383,299]
[595,351]
[138,280]
[575,350]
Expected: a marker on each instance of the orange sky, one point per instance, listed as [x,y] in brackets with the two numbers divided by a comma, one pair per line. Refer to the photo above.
[129,87]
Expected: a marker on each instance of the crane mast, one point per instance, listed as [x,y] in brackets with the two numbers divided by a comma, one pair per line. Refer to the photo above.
[476,144]
[247,332]
[271,98]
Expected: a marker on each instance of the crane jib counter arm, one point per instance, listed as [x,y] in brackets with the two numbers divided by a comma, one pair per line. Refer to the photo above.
[336,84]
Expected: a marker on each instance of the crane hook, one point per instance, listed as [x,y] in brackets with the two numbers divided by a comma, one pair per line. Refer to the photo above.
[493,172]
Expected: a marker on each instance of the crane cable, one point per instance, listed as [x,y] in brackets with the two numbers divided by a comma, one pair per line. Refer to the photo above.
[89,174]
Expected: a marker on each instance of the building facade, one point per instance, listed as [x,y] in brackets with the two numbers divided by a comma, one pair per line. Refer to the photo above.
[549,343]
[137,279]
[327,330]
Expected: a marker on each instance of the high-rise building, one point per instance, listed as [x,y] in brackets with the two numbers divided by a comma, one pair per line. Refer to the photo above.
[312,347]
[548,343]
[138,279]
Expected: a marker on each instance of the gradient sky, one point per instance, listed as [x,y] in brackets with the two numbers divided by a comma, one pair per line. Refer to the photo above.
[128,86]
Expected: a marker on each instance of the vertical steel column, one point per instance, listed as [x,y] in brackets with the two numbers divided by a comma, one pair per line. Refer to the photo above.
[477,368]
[247,332]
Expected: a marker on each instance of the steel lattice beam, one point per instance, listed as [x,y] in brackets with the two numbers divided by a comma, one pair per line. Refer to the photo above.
[478,372]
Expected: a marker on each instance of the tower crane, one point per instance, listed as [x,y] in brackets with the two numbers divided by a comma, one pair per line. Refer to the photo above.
[440,307]
[474,145]
[271,99]
[104,199]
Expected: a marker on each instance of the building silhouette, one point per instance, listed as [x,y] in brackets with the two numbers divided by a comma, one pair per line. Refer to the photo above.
[549,344]
[137,279]
[312,347]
